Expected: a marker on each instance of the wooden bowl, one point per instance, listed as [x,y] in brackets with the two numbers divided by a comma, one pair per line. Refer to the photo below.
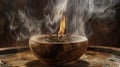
[58,52]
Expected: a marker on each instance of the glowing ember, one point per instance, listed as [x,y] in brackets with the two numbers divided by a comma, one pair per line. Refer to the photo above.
[62,26]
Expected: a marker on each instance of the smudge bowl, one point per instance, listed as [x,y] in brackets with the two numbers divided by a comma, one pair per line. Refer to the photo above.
[58,49]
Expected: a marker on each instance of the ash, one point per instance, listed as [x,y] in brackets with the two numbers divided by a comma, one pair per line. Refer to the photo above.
[58,38]
[4,64]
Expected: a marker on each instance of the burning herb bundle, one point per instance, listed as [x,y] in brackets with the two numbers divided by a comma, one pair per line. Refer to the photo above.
[60,37]
[55,38]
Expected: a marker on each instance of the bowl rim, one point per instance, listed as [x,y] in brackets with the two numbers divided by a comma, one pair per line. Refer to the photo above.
[35,37]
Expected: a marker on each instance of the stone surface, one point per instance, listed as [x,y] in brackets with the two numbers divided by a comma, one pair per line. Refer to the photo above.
[94,57]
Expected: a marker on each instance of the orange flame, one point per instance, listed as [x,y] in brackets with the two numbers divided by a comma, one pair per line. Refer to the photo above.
[62,26]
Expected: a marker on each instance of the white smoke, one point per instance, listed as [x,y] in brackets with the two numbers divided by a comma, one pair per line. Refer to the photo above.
[58,10]
[77,13]
[103,14]
[102,7]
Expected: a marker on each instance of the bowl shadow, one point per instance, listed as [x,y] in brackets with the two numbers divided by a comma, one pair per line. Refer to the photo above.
[36,63]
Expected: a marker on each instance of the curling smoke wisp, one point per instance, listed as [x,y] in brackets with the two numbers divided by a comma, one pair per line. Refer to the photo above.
[77,13]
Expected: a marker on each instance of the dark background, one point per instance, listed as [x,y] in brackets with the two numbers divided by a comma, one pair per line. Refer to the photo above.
[104,34]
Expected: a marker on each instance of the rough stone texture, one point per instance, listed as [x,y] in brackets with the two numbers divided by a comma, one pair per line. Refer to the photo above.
[95,56]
